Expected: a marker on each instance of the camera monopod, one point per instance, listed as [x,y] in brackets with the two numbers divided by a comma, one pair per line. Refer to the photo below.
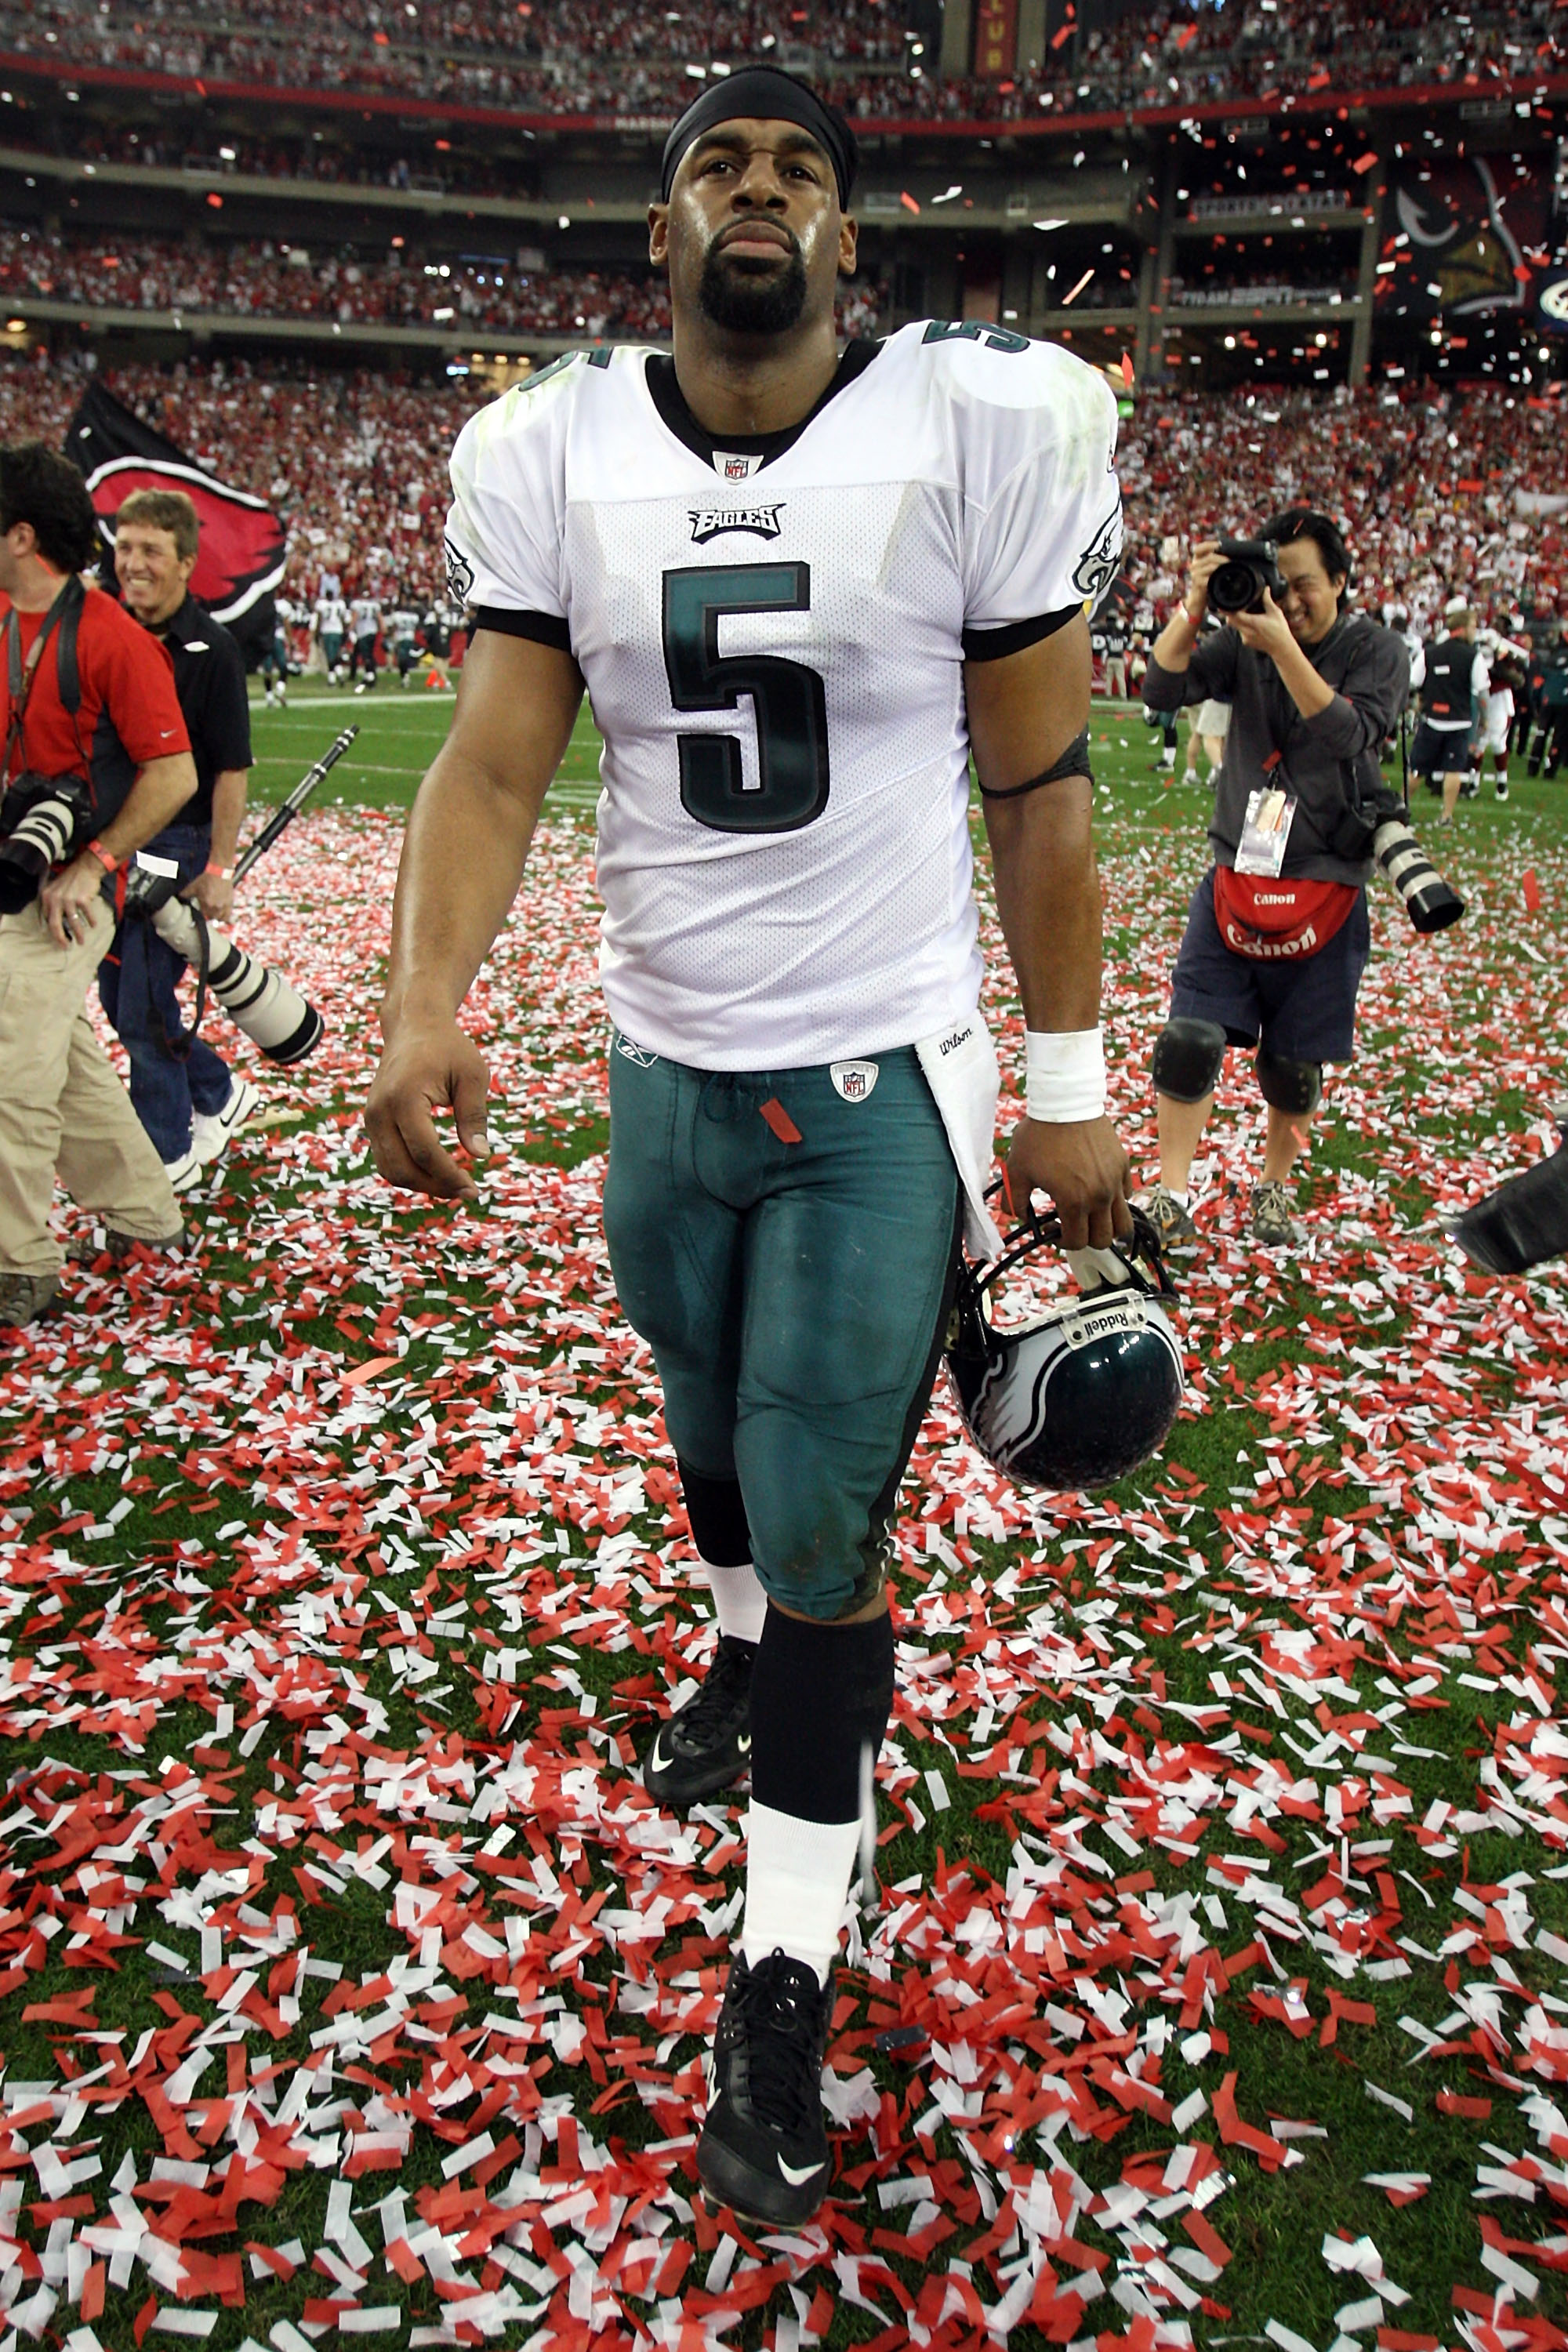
[258,1001]
[283,816]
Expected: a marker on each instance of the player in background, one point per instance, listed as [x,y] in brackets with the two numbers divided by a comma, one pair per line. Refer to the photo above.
[365,618]
[1508,660]
[1116,635]
[275,660]
[1209,726]
[1163,723]
[405,640]
[331,618]
[800,589]
[1452,678]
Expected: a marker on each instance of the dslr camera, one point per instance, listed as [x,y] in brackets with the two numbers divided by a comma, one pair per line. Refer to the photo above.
[1250,568]
[43,820]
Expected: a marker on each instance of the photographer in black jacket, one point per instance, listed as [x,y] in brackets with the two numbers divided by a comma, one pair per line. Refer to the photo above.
[1277,935]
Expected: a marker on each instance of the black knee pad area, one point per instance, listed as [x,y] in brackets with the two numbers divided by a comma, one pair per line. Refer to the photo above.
[1188,1057]
[1288,1085]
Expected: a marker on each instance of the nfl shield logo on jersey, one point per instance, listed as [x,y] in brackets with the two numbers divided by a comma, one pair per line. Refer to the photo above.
[854,1080]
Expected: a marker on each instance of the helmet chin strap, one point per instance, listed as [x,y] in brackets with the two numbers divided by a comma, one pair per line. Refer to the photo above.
[1135,1262]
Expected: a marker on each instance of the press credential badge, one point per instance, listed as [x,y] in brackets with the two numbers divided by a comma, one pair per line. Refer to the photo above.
[1270,812]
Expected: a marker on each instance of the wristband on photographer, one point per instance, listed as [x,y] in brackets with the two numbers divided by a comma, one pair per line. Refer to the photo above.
[110,864]
[220,873]
[1065,1075]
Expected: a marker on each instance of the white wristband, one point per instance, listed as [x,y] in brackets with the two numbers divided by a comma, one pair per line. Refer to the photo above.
[1065,1075]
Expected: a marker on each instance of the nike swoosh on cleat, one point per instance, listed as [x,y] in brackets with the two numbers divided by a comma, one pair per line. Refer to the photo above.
[744,1743]
[795,2175]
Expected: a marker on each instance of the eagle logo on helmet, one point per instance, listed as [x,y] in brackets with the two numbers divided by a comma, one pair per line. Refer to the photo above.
[1086,1393]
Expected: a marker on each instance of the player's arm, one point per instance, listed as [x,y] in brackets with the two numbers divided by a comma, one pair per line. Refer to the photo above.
[1026,712]
[467,840]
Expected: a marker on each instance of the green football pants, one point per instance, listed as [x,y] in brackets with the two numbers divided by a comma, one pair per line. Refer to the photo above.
[794,1292]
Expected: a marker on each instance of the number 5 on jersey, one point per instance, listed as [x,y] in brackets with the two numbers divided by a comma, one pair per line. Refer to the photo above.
[788,701]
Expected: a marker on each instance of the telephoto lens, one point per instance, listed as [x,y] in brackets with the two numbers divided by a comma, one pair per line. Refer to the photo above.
[1429,902]
[256,999]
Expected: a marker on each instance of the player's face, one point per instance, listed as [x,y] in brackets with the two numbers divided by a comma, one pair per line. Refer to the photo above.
[752,234]
[1310,602]
[151,571]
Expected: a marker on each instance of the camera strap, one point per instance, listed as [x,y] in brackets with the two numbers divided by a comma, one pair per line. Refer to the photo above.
[21,672]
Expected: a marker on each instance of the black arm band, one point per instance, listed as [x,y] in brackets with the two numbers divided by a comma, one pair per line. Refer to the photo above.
[1074,762]
[542,629]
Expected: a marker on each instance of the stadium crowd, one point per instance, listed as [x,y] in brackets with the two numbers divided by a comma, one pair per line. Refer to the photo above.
[273,281]
[608,58]
[1438,492]
[316,159]
[266,280]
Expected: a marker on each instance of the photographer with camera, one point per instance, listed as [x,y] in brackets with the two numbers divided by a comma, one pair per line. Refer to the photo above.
[96,760]
[1278,934]
[185,1097]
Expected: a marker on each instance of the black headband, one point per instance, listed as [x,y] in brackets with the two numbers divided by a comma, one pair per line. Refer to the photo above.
[770,95]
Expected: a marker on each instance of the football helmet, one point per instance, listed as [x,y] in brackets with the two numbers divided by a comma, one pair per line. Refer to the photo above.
[1083,1395]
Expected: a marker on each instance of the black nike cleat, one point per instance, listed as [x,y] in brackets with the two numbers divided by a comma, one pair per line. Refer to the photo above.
[706,1744]
[763,2149]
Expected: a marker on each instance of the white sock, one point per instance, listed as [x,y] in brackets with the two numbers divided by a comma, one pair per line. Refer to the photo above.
[739,1602]
[797,1882]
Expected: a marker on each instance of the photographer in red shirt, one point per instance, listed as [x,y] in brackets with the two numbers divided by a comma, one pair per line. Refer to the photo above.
[96,760]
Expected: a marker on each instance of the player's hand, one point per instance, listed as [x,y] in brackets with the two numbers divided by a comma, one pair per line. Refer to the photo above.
[212,896]
[1206,560]
[1268,631]
[1080,1166]
[71,901]
[422,1069]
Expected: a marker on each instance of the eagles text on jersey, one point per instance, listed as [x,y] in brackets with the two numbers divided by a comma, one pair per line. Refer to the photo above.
[775,663]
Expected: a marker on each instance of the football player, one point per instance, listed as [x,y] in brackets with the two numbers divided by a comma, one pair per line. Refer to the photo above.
[801,588]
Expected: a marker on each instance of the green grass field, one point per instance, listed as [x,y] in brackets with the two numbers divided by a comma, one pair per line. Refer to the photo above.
[350,1988]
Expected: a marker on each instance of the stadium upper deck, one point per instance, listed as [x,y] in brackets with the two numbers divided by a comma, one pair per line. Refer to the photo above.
[617,65]
[1251,192]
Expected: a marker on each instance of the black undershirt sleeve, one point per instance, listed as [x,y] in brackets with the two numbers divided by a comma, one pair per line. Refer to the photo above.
[1013,636]
[544,628]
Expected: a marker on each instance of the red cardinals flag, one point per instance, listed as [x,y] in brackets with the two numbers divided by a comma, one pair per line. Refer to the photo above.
[243,548]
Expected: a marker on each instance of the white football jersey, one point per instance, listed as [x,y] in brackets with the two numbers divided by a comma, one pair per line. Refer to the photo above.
[775,649]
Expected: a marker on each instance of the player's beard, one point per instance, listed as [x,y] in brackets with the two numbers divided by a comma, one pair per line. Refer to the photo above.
[767,304]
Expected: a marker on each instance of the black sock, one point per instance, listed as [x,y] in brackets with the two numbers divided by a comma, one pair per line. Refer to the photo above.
[821,1694]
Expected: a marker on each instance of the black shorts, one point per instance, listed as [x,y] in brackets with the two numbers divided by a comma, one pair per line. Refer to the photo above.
[1440,751]
[1302,1012]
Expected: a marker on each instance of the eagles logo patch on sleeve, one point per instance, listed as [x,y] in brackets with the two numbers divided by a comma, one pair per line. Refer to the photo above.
[1101,559]
[460,574]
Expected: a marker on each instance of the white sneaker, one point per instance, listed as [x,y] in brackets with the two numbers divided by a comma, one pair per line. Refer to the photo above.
[212,1132]
[186,1172]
